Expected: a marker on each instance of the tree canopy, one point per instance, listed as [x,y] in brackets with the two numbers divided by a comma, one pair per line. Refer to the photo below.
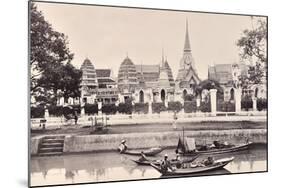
[253,46]
[209,84]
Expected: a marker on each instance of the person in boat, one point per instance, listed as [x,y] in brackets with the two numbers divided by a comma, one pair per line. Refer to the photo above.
[220,145]
[143,157]
[178,158]
[123,147]
[209,161]
[178,161]
[165,164]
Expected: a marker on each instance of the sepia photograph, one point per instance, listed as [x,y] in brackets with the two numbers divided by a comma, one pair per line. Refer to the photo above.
[126,93]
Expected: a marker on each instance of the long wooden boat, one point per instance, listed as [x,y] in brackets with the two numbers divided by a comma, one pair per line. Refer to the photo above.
[218,150]
[187,147]
[218,164]
[158,162]
[147,152]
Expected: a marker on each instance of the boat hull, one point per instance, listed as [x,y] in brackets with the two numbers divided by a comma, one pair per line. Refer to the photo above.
[149,152]
[158,162]
[218,165]
[219,151]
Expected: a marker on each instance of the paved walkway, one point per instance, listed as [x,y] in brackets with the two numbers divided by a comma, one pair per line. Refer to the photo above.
[148,119]
[156,127]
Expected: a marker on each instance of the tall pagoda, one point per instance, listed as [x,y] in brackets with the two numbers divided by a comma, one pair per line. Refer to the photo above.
[187,75]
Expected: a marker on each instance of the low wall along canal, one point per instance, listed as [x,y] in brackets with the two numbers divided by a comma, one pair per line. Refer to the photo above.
[110,142]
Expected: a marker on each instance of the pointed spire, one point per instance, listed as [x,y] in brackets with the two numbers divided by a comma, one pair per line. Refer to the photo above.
[162,61]
[187,47]
[141,75]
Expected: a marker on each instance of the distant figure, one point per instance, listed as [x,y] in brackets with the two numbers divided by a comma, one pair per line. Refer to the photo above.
[43,123]
[165,164]
[75,117]
[143,157]
[122,147]
[175,121]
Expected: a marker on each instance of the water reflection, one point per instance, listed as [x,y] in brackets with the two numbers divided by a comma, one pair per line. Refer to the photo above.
[98,167]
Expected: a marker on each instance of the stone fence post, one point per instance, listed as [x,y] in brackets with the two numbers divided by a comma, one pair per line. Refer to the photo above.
[238,93]
[46,112]
[198,100]
[82,113]
[213,93]
[254,103]
[99,108]
[150,107]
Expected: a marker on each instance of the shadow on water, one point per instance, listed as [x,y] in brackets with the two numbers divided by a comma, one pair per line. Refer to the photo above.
[216,172]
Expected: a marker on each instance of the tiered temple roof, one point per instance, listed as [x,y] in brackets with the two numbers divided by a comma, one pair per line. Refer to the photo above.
[169,72]
[103,73]
[223,73]
[89,76]
[105,76]
[165,79]
[93,78]
[127,75]
[150,73]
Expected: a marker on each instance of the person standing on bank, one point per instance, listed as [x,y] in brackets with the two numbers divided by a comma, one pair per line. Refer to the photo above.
[175,121]
[75,117]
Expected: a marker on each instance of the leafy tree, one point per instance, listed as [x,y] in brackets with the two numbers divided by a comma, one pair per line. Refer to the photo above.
[189,106]
[91,109]
[70,81]
[50,59]
[158,107]
[141,108]
[253,46]
[126,108]
[209,84]
[60,81]
[174,106]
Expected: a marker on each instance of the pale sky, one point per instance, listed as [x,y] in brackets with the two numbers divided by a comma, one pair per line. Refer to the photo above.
[106,34]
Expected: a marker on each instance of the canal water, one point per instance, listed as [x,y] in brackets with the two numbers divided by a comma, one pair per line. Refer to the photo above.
[111,166]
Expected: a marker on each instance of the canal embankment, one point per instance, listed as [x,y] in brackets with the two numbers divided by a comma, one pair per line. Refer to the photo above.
[169,139]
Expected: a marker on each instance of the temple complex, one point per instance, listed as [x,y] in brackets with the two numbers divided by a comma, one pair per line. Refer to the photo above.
[140,83]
